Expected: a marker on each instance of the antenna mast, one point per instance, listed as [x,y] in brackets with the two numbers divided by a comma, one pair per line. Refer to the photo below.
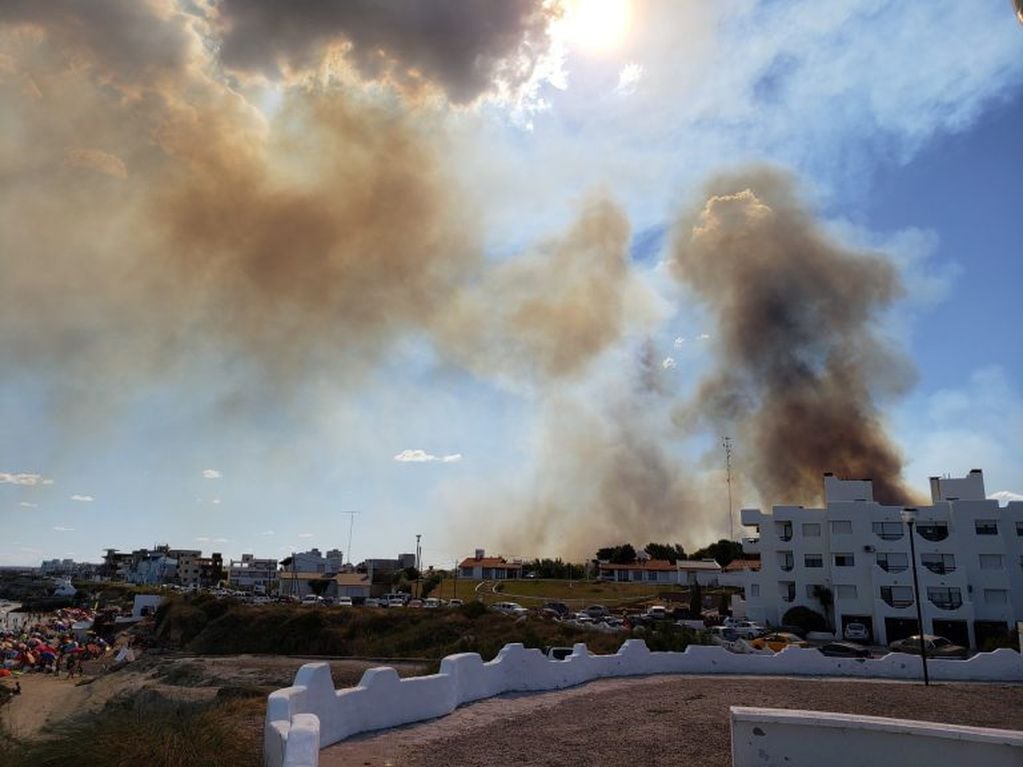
[726,443]
[351,524]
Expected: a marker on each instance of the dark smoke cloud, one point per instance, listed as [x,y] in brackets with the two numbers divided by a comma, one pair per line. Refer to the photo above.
[462,46]
[800,366]
[548,312]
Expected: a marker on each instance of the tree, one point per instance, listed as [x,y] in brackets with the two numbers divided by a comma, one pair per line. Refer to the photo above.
[825,596]
[625,554]
[722,552]
[695,601]
[665,551]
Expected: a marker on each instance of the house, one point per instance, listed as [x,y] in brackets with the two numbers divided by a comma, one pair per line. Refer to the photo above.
[645,571]
[252,574]
[300,584]
[482,567]
[851,561]
[705,572]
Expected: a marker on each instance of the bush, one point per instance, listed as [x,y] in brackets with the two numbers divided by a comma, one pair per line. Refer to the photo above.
[805,619]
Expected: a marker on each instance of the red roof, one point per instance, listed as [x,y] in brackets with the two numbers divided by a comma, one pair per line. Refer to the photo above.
[742,564]
[651,564]
[491,562]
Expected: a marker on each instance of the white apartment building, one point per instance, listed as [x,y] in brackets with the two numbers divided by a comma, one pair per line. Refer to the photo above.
[251,573]
[969,556]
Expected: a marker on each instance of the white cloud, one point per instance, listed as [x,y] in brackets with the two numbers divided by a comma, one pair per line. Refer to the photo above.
[215,501]
[1004,497]
[703,337]
[421,456]
[221,540]
[27,505]
[268,532]
[211,474]
[679,342]
[305,535]
[82,498]
[669,363]
[61,529]
[628,79]
[22,478]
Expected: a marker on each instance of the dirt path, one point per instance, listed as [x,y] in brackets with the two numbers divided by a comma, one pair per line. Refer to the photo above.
[658,721]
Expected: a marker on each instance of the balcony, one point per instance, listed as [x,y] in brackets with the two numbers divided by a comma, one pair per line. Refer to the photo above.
[889,531]
[933,533]
[897,597]
[892,567]
[898,602]
[947,604]
[786,563]
[939,568]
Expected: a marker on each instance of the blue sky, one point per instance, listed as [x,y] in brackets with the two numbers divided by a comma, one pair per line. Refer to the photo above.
[136,411]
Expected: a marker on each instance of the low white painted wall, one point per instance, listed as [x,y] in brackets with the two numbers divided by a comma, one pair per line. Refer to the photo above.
[383,700]
[771,737]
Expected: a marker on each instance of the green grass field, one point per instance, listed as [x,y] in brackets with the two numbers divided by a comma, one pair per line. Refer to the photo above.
[532,593]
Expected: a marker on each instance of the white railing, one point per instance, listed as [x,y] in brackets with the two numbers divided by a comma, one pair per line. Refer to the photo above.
[311,714]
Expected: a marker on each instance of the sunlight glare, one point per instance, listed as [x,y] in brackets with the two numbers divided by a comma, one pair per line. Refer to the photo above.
[598,25]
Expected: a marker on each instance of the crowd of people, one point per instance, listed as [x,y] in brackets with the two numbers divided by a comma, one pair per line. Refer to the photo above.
[50,643]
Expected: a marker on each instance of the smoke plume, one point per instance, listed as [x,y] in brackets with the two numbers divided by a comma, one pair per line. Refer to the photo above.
[463,48]
[800,365]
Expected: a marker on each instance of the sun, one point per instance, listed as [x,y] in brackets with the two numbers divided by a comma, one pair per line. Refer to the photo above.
[597,26]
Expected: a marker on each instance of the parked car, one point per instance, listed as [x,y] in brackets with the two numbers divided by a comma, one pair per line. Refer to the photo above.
[857,632]
[432,603]
[597,612]
[778,641]
[372,602]
[747,629]
[656,613]
[311,599]
[509,608]
[725,636]
[456,602]
[395,602]
[844,650]
[343,602]
[415,603]
[934,646]
[558,608]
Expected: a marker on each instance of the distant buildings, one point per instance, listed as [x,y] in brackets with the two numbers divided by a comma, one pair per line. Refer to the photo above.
[251,573]
[851,562]
[163,565]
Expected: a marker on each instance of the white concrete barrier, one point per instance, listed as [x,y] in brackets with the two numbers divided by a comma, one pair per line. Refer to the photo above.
[771,737]
[382,700]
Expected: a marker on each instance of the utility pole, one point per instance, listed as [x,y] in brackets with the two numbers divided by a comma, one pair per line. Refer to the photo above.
[726,443]
[419,566]
[351,524]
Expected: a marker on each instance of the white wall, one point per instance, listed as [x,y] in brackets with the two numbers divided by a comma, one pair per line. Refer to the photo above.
[765,737]
[382,700]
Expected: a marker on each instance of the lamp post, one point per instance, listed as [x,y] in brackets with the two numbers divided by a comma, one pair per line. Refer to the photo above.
[909,517]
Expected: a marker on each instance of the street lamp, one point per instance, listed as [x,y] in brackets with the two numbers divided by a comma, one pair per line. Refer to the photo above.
[909,517]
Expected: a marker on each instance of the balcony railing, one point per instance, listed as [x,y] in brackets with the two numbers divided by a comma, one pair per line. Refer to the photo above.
[897,602]
[890,567]
[785,535]
[889,531]
[939,567]
[947,604]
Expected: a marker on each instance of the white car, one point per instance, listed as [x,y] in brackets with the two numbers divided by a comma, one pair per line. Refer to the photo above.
[311,599]
[395,602]
[857,632]
[509,608]
[431,603]
[747,629]
[343,602]
[455,602]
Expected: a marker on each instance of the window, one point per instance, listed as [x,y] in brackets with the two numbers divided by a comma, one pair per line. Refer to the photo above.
[841,527]
[784,530]
[637,575]
[897,596]
[987,526]
[892,562]
[787,590]
[887,531]
[813,560]
[845,591]
[947,598]
[785,561]
[939,563]
[996,596]
[991,562]
[651,575]
[845,560]
[932,531]
[813,530]
[1019,529]
[466,572]
[754,590]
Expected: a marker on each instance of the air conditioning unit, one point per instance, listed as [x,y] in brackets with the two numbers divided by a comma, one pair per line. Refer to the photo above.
[869,549]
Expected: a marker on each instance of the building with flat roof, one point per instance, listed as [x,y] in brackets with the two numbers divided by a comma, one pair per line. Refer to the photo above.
[851,562]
